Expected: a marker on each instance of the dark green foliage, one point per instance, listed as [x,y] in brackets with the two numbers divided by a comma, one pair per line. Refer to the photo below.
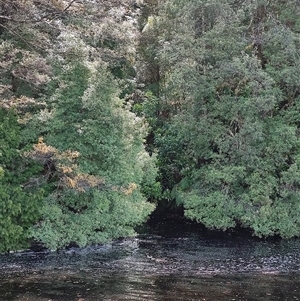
[229,147]
[19,209]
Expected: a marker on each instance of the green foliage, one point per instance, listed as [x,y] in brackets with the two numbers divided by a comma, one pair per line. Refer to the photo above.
[67,79]
[89,117]
[19,209]
[229,147]
[106,198]
[219,112]
[105,215]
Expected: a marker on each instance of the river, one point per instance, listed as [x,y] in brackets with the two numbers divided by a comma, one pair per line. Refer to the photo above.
[167,263]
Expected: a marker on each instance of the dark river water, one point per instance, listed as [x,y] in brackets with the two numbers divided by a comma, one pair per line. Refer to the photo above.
[168,263]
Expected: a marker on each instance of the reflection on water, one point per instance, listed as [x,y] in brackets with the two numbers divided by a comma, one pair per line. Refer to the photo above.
[82,287]
[173,265]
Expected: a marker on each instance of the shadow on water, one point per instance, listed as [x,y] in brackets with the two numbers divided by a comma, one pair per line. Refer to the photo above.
[166,264]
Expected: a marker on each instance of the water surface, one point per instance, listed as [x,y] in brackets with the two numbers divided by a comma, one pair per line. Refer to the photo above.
[166,264]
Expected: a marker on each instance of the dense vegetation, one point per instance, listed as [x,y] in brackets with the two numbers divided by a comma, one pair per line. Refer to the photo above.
[67,77]
[228,104]
[109,108]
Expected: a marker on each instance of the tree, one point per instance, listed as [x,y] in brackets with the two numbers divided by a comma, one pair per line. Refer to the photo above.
[230,69]
[98,191]
[68,72]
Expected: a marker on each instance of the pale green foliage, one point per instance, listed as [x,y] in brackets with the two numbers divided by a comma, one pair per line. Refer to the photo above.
[108,215]
[89,118]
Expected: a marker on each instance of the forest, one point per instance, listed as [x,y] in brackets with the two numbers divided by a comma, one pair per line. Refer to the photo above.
[111,110]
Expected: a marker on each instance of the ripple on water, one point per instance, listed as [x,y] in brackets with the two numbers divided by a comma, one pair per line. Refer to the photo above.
[188,266]
[187,255]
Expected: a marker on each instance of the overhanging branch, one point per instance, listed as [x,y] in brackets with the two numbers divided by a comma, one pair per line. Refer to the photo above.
[69,5]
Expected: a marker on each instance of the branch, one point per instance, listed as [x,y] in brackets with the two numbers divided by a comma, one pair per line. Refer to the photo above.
[64,10]
[5,17]
[69,5]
